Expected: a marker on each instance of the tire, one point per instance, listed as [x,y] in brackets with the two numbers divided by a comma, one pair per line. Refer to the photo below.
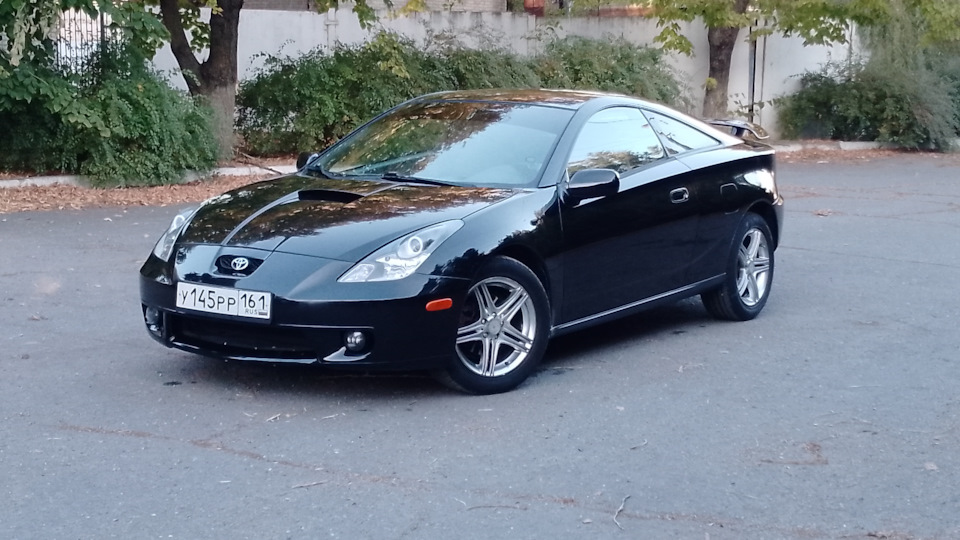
[749,276]
[503,330]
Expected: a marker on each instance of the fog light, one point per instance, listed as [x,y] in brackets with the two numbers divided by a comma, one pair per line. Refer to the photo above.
[355,341]
[151,316]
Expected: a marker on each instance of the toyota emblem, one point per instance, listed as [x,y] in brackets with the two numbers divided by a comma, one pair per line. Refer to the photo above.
[240,264]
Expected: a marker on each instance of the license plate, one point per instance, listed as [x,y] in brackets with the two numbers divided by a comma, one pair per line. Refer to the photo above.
[224,301]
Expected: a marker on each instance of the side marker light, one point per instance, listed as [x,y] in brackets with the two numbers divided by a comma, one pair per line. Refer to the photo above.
[440,305]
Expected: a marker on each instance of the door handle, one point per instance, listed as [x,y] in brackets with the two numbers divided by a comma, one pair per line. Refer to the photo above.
[679,195]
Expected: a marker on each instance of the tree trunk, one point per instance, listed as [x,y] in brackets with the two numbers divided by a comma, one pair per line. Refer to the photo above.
[223,102]
[721,42]
[219,72]
[216,78]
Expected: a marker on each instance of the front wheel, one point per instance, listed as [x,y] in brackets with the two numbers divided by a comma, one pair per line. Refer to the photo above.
[503,330]
[749,276]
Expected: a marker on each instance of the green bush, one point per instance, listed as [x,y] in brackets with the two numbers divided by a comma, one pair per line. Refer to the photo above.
[475,69]
[871,103]
[310,101]
[138,130]
[34,139]
[156,134]
[944,62]
[612,65]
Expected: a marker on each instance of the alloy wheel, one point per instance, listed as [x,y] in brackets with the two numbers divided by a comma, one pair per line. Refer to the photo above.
[753,267]
[498,326]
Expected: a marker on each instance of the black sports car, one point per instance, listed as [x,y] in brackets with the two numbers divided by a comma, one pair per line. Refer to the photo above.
[459,231]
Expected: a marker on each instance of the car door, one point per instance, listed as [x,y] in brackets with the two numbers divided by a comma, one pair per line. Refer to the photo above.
[635,244]
[712,185]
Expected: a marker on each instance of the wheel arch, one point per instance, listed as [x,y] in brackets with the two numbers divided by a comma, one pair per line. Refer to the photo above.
[769,215]
[532,260]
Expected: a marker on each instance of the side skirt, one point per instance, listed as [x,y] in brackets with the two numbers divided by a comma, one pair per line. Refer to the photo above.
[640,305]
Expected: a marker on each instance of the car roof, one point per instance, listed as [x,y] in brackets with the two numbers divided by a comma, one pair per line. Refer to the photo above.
[568,99]
[573,100]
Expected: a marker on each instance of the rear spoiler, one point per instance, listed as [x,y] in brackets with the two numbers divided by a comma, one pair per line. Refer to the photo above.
[741,128]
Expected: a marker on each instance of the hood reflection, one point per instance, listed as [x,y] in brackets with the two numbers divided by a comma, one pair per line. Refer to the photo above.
[267,214]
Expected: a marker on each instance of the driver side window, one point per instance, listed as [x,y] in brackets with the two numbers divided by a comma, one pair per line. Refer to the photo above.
[619,138]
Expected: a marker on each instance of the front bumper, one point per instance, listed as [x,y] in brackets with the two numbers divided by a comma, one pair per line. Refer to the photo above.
[309,326]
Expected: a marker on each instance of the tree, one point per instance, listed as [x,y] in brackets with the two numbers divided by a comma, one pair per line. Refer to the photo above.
[818,22]
[216,77]
[93,106]
[28,33]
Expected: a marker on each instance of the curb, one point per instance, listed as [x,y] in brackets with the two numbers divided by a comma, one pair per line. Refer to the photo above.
[843,146]
[80,181]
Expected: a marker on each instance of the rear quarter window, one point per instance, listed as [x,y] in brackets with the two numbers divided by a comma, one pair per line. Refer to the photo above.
[678,137]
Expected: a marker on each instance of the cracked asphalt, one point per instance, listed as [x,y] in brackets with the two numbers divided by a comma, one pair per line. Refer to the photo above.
[834,415]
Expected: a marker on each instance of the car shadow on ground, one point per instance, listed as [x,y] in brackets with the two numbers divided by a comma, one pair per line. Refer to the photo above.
[277,379]
[673,318]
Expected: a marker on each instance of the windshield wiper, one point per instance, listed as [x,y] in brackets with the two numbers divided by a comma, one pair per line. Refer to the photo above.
[316,166]
[394,177]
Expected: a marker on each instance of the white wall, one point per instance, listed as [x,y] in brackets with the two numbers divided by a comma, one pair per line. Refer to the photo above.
[293,32]
[779,59]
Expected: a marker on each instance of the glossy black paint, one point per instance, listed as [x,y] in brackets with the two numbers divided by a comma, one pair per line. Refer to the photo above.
[590,184]
[662,232]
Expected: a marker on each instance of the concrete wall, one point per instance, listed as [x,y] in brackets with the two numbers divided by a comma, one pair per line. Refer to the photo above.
[431,5]
[778,59]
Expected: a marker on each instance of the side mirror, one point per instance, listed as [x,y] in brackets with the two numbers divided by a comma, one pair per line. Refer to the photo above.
[304,158]
[592,183]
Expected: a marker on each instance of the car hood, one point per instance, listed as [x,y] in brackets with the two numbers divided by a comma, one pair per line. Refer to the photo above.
[332,218]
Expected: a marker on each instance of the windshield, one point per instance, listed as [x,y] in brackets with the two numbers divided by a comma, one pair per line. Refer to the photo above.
[453,142]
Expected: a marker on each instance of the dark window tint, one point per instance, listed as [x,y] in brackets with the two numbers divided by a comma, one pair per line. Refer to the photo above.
[678,137]
[619,138]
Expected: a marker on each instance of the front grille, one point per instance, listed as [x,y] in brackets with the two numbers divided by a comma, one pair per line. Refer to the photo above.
[239,339]
[225,265]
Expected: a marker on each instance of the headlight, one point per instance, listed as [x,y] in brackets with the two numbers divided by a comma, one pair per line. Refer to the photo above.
[402,257]
[164,246]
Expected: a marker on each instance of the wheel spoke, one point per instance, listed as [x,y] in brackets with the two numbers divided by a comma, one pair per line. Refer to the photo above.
[514,338]
[485,300]
[752,289]
[512,304]
[743,257]
[488,359]
[756,237]
[761,265]
[743,281]
[471,332]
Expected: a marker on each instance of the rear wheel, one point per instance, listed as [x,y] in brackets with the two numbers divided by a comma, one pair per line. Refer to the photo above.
[749,276]
[503,330]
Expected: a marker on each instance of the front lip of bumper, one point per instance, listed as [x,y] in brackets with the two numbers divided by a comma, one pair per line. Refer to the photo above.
[404,335]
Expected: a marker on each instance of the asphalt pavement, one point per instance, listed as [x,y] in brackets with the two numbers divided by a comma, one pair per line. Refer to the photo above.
[834,415]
